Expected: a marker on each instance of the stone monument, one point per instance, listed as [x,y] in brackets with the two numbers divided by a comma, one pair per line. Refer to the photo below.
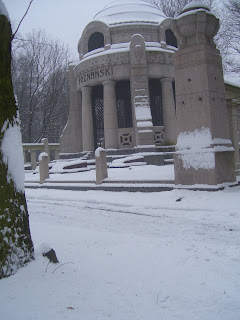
[204,151]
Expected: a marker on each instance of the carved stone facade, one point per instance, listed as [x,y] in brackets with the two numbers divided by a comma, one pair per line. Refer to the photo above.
[122,88]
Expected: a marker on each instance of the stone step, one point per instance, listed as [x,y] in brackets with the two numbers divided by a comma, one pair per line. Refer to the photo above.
[152,155]
[168,161]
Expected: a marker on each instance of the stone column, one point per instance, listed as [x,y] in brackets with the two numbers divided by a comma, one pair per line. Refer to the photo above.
[204,154]
[33,159]
[142,118]
[56,154]
[71,138]
[87,120]
[110,115]
[232,117]
[169,114]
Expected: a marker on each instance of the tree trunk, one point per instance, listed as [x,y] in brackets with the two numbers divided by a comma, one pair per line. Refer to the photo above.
[16,247]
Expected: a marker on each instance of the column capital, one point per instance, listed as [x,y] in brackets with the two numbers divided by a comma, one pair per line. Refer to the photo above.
[86,89]
[166,79]
[109,83]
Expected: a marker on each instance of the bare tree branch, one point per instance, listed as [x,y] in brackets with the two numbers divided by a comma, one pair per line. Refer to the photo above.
[21,20]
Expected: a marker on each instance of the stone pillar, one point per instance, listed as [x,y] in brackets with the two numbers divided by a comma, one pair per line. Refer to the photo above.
[142,117]
[87,120]
[169,114]
[204,152]
[71,138]
[33,159]
[43,167]
[110,115]
[232,117]
[46,147]
[162,37]
[24,156]
[101,165]
[56,154]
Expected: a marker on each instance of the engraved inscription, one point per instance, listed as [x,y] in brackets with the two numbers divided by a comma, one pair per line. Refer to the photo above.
[99,73]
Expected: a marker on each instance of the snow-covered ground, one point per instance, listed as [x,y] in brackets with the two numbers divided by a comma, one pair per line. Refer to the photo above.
[149,256]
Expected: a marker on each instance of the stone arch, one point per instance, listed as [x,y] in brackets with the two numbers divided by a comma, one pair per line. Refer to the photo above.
[95,41]
[91,28]
[167,35]
[171,40]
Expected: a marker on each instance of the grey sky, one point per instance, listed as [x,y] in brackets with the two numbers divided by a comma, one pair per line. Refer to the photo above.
[62,19]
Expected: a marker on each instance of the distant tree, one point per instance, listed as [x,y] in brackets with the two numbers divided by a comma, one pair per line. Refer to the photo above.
[41,86]
[16,247]
[228,38]
[172,8]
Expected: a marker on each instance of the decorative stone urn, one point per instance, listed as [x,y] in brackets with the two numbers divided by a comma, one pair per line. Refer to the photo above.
[195,25]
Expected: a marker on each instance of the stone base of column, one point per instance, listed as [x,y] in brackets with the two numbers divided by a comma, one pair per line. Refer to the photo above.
[111,138]
[210,167]
[145,137]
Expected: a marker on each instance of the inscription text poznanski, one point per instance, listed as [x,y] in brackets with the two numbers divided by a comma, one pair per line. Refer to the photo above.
[99,73]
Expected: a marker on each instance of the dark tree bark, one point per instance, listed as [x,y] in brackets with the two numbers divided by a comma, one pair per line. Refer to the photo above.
[16,247]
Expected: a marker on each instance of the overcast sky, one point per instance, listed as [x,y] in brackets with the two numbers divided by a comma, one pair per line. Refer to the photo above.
[62,19]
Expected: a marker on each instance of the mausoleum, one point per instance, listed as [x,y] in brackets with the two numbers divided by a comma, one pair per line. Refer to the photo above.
[122,88]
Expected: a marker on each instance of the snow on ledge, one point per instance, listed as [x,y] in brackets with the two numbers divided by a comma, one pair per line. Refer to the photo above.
[98,150]
[196,154]
[43,154]
[195,140]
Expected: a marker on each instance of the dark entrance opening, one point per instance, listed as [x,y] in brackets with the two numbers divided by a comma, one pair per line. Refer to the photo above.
[155,92]
[98,119]
[124,109]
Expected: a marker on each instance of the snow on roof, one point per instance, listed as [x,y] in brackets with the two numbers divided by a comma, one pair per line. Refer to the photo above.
[195,5]
[130,11]
[124,47]
[3,10]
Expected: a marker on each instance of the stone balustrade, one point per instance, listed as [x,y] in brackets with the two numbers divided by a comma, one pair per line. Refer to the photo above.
[52,149]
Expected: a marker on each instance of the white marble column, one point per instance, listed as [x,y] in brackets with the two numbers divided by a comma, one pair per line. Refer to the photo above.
[169,114]
[87,120]
[110,115]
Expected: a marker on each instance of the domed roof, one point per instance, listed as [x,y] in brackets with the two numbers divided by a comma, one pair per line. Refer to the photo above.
[130,11]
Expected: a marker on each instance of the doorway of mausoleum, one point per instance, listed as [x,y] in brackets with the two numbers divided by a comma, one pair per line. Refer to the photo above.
[98,119]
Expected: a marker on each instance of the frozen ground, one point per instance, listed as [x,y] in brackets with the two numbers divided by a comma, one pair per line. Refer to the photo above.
[139,256]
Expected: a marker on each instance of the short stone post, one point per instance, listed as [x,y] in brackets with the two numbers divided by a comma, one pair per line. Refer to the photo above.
[46,147]
[101,165]
[43,167]
[33,159]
